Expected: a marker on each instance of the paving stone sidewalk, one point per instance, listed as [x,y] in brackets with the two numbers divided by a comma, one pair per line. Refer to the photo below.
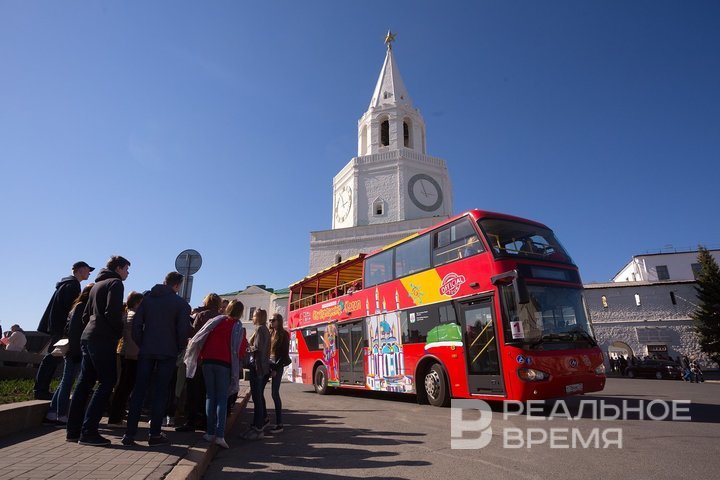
[43,453]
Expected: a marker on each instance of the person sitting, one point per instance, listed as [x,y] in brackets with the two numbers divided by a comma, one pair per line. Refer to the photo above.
[15,339]
[471,247]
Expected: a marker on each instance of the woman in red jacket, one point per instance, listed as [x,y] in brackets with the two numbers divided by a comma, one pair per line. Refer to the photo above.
[219,352]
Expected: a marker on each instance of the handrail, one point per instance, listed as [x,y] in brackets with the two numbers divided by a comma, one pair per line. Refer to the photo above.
[324,295]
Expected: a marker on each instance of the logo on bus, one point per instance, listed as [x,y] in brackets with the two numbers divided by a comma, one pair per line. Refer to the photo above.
[451,284]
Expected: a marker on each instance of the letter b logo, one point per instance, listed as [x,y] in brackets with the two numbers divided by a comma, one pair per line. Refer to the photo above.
[480,427]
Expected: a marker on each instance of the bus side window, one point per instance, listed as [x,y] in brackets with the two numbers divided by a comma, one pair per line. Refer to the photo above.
[447,314]
[455,241]
[420,322]
[311,338]
[379,268]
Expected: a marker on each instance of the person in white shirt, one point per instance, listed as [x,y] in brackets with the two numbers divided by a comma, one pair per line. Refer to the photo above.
[15,342]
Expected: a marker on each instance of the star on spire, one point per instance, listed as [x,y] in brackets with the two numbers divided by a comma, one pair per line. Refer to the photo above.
[389,38]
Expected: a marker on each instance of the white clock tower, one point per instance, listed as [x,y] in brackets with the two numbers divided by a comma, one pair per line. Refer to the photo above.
[392,188]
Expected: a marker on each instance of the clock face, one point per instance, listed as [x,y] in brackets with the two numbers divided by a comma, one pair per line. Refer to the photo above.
[425,192]
[343,203]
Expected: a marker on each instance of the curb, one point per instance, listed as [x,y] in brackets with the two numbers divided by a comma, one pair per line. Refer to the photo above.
[198,457]
[19,416]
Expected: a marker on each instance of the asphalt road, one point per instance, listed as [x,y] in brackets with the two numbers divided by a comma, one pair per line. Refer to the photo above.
[368,435]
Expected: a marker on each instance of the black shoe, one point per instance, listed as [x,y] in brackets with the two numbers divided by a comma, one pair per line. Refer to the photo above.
[94,440]
[158,440]
[188,427]
[127,441]
[72,439]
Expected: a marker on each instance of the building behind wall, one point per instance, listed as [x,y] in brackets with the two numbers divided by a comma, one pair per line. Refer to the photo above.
[658,267]
[260,296]
[646,316]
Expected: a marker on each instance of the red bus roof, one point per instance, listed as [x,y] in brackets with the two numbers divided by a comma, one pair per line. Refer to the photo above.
[475,213]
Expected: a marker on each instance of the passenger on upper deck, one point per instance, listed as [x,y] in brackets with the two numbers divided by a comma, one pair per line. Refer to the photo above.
[472,246]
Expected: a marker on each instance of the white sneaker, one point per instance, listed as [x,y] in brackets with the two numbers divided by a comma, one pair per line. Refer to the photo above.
[254,434]
[221,442]
[208,438]
[169,422]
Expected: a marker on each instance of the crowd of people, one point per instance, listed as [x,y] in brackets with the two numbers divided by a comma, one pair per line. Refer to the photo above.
[162,349]
[691,370]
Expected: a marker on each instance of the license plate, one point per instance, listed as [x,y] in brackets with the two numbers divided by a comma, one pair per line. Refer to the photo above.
[574,388]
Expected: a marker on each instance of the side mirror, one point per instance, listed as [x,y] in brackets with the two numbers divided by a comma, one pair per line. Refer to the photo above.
[521,290]
[519,286]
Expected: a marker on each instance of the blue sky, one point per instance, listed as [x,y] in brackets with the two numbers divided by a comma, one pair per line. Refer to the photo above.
[145,128]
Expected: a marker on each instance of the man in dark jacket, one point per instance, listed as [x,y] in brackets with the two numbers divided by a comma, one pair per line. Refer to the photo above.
[103,318]
[53,322]
[160,328]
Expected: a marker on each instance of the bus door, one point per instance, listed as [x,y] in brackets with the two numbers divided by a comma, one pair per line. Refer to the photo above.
[352,340]
[481,347]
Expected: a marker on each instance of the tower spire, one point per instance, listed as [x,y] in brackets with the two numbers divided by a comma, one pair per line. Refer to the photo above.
[389,38]
[390,89]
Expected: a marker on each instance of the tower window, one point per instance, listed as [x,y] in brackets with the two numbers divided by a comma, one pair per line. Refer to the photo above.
[338,258]
[378,208]
[363,141]
[662,272]
[406,135]
[604,301]
[385,133]
[672,298]
[637,299]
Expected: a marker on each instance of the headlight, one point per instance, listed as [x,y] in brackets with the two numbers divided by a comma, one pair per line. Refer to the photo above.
[600,370]
[532,375]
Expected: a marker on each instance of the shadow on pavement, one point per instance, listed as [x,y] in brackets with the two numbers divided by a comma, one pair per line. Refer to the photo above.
[310,441]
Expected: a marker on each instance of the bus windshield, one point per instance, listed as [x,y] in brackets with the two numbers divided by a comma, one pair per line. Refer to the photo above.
[553,319]
[509,238]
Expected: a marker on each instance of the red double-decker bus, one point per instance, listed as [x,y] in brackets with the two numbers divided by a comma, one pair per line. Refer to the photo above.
[483,305]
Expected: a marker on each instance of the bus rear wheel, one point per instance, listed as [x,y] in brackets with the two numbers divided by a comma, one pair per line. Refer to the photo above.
[436,388]
[320,380]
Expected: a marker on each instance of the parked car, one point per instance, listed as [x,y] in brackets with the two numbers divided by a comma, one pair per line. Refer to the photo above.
[655,369]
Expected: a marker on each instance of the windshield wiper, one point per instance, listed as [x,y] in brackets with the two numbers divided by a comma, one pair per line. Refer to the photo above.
[550,337]
[572,335]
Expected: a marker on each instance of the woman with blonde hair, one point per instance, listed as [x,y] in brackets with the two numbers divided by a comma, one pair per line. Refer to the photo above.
[279,359]
[218,348]
[259,352]
[195,391]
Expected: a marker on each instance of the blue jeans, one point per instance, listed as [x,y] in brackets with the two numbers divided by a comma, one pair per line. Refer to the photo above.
[275,391]
[257,387]
[217,383]
[163,368]
[98,364]
[60,403]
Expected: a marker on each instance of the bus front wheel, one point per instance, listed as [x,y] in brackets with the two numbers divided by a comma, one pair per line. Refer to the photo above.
[320,382]
[436,388]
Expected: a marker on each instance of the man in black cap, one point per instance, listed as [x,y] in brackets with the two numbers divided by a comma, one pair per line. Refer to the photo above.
[103,319]
[53,323]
